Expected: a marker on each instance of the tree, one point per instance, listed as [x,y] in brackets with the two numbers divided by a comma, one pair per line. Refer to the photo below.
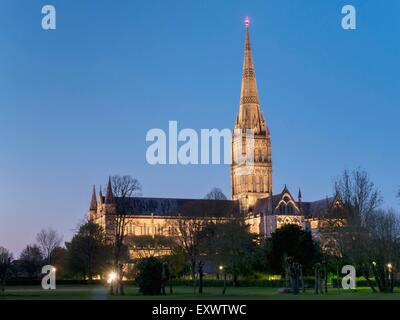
[359,195]
[231,245]
[294,242]
[88,253]
[215,194]
[31,261]
[48,240]
[176,262]
[6,259]
[59,261]
[147,246]
[186,230]
[123,189]
[358,240]
[383,247]
[149,277]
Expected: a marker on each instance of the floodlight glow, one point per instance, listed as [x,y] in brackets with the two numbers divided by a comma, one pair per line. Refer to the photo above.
[111,277]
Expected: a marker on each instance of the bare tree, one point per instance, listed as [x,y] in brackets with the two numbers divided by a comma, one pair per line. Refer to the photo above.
[48,240]
[186,228]
[367,236]
[358,194]
[6,258]
[193,218]
[215,194]
[123,188]
[147,246]
[383,247]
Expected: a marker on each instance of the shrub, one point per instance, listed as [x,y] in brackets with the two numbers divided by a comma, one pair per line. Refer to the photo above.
[149,276]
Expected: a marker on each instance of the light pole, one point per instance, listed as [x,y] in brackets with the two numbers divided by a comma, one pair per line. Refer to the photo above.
[390,270]
[111,278]
[221,268]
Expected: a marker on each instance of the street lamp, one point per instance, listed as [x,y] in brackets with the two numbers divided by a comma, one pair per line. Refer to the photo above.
[221,268]
[112,276]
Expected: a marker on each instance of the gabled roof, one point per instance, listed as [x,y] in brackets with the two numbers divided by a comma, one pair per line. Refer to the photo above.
[317,208]
[309,209]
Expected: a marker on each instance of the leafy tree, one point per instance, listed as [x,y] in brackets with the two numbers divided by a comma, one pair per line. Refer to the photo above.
[291,241]
[31,260]
[231,245]
[59,261]
[87,253]
[149,277]
[6,259]
[176,262]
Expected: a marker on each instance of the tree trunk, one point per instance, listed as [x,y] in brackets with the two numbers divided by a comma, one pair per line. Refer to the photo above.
[224,290]
[193,269]
[120,279]
[234,278]
[337,278]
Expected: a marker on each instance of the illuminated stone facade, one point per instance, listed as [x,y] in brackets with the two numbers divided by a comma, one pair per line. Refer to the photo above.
[251,171]
[252,193]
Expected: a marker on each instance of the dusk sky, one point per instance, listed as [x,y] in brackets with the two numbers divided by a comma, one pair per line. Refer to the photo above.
[76,102]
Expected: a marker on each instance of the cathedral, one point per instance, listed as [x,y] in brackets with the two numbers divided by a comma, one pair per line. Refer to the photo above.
[251,185]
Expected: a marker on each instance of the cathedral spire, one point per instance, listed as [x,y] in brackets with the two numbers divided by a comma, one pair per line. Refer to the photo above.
[109,195]
[93,201]
[100,197]
[256,182]
[249,114]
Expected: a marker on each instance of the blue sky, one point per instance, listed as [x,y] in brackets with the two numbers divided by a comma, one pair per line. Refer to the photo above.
[76,103]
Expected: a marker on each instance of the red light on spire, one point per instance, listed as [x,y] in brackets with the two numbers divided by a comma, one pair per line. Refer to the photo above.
[247,21]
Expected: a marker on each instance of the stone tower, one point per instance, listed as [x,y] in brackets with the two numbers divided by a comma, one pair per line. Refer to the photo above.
[251,170]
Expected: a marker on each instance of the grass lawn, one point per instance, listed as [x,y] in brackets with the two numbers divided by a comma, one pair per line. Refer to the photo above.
[98,292]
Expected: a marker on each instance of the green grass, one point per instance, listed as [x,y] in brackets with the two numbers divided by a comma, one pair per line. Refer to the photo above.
[87,292]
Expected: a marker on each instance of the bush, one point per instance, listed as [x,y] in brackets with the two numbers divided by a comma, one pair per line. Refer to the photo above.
[149,276]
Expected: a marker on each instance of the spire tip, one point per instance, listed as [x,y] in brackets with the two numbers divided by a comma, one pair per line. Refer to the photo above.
[247,21]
